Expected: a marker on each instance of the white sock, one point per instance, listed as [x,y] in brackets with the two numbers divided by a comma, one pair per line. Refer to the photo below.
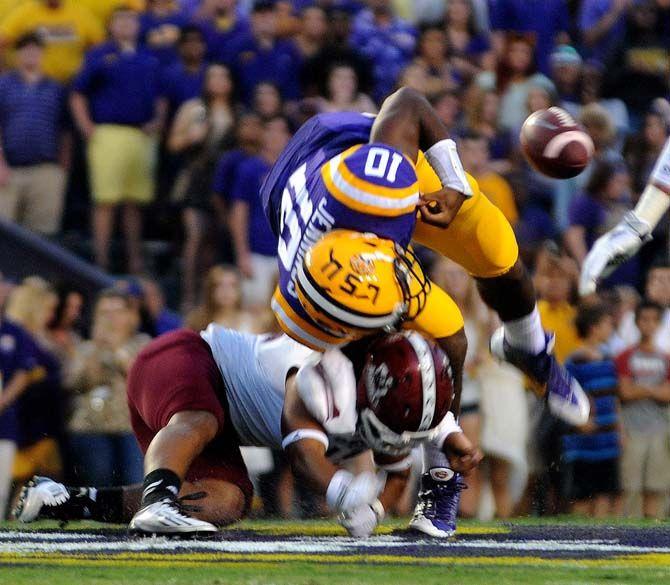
[433,457]
[526,333]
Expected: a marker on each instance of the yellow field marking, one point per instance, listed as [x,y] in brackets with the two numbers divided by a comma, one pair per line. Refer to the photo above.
[201,559]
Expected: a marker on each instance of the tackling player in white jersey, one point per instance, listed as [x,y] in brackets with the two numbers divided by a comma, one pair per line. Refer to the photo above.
[194,399]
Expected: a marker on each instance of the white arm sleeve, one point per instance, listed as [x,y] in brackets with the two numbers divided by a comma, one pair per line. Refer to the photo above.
[444,429]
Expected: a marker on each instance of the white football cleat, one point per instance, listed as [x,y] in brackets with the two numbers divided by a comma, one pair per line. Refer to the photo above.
[38,493]
[167,517]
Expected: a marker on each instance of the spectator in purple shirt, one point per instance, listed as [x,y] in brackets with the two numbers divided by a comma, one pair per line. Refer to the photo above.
[118,109]
[470,50]
[548,20]
[386,41]
[161,318]
[184,79]
[35,144]
[160,27]
[261,56]
[602,24]
[248,132]
[255,244]
[16,365]
[606,200]
[336,50]
[224,26]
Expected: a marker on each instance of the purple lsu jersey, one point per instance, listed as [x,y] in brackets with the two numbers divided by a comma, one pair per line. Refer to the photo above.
[330,177]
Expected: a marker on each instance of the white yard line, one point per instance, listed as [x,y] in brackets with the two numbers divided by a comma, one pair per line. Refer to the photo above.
[30,543]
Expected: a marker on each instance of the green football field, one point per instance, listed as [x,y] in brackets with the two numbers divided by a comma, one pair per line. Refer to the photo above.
[563,551]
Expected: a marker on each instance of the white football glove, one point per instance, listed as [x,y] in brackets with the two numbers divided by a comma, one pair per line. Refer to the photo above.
[361,522]
[613,249]
[347,492]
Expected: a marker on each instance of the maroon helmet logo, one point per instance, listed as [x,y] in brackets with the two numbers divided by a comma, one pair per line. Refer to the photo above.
[378,383]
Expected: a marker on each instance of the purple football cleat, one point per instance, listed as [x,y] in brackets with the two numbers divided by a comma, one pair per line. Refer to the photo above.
[437,506]
[566,398]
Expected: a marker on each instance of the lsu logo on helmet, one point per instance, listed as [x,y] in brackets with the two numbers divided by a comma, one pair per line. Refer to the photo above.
[353,283]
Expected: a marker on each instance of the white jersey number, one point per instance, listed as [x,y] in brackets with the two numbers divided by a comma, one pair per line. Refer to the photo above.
[295,206]
[377,163]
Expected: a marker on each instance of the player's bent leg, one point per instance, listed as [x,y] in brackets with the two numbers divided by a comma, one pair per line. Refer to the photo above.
[214,500]
[167,460]
[177,444]
[44,498]
[482,241]
[522,342]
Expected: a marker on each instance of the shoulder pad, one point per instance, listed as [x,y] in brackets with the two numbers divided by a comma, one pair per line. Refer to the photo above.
[327,386]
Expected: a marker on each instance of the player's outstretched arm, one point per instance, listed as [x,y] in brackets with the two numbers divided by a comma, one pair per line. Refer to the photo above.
[625,239]
[305,442]
[409,123]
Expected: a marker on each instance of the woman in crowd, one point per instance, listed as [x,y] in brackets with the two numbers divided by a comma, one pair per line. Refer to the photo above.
[470,50]
[202,128]
[432,57]
[514,78]
[40,408]
[482,113]
[313,31]
[342,93]
[644,148]
[102,447]
[222,304]
[267,101]
[63,327]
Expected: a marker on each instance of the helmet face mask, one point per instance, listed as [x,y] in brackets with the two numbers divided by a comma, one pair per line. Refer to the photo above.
[381,439]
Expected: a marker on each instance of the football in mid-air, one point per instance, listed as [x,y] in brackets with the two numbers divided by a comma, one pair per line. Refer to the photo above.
[555,144]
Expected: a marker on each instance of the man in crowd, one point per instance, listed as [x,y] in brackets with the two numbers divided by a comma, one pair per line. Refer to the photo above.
[66,28]
[644,390]
[184,79]
[386,41]
[255,245]
[117,107]
[223,25]
[260,56]
[35,145]
[657,290]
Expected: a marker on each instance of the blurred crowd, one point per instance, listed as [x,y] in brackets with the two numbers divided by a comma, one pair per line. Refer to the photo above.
[137,134]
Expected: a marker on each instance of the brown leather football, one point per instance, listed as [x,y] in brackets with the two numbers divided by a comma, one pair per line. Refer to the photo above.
[555,144]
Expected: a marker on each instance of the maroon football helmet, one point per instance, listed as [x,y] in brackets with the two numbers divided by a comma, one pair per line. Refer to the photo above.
[404,391]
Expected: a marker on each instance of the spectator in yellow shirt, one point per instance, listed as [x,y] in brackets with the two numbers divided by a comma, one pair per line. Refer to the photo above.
[555,281]
[6,6]
[476,158]
[66,28]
